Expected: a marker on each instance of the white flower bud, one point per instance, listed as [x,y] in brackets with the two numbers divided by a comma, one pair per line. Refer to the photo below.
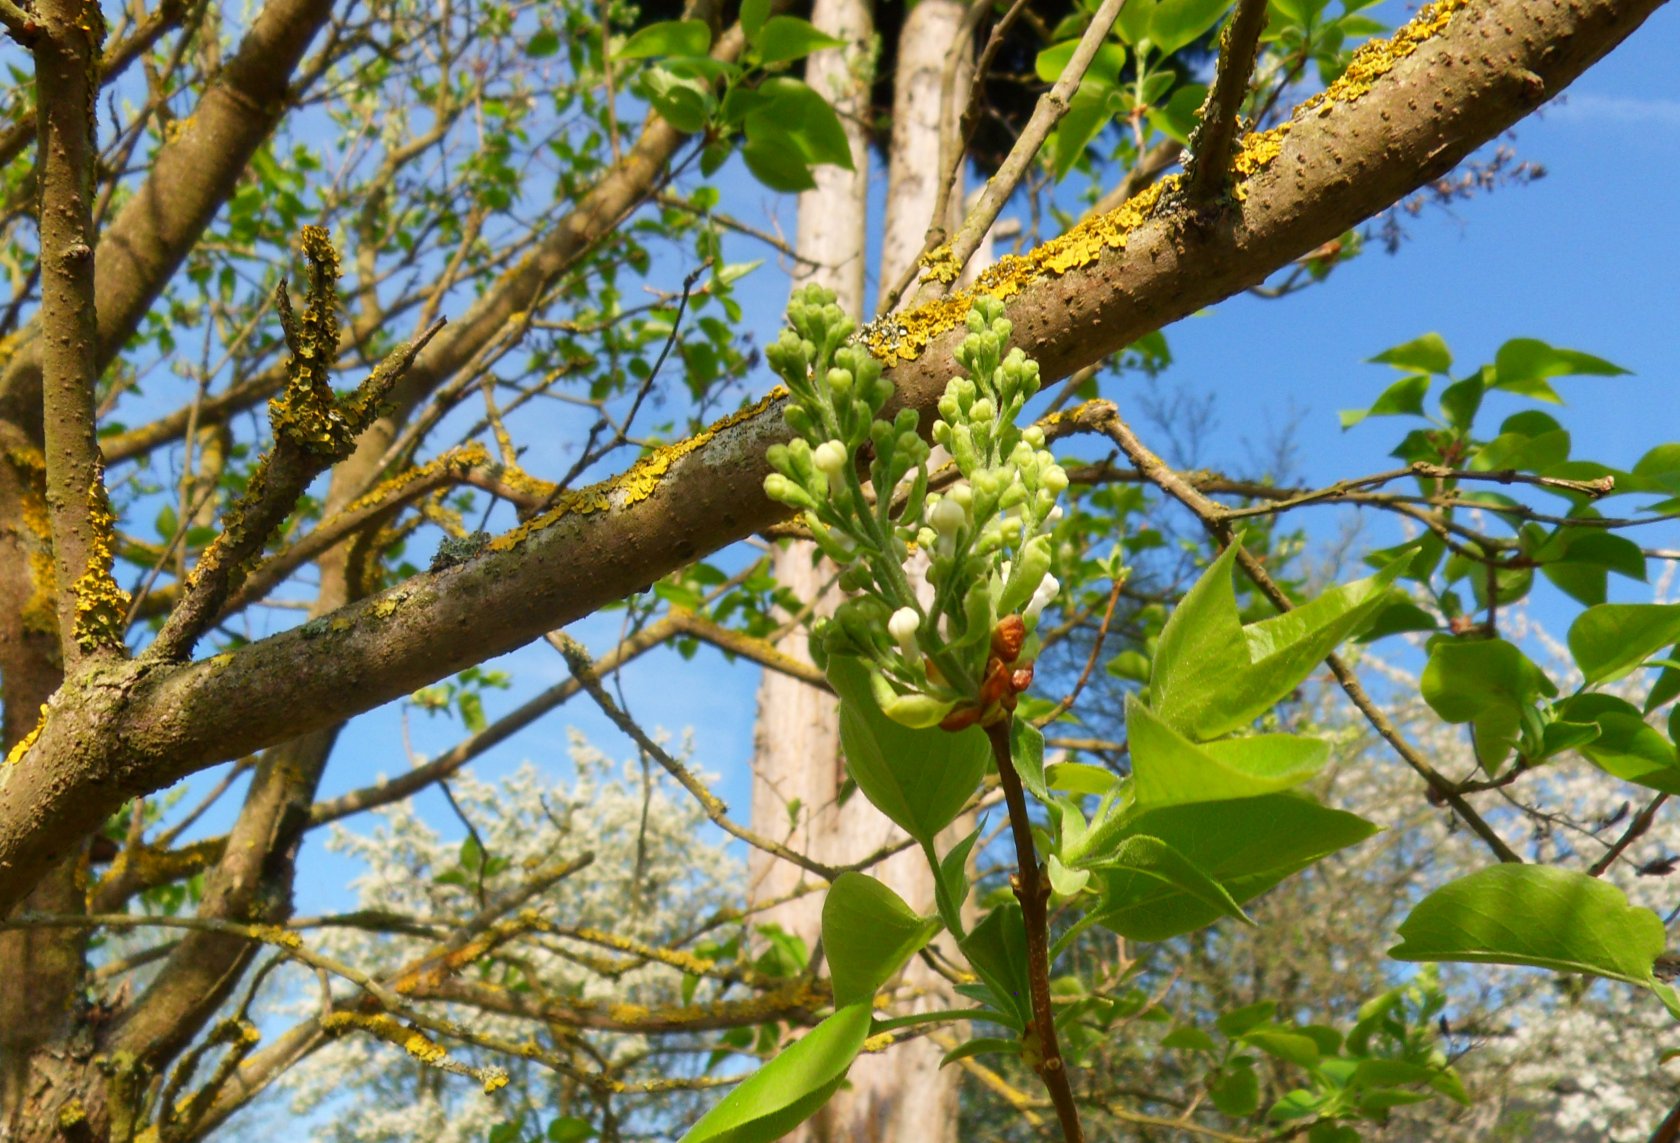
[947,516]
[1054,478]
[903,627]
[1047,590]
[830,457]
[961,493]
[1054,515]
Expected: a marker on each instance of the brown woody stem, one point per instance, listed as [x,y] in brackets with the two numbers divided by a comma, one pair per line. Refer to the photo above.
[1033,892]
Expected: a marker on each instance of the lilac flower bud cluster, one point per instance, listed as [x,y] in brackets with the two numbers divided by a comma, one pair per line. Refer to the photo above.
[986,533]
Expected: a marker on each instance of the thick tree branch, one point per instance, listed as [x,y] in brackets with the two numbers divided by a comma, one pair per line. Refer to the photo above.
[1074,301]
[66,49]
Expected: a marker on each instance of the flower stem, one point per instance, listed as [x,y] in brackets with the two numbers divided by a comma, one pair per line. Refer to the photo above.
[1033,892]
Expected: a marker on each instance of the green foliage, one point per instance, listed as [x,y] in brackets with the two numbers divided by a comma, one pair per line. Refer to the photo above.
[782,127]
[1540,916]
[791,1087]
[868,934]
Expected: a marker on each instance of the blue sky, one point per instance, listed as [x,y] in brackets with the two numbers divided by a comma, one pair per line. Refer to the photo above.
[1584,258]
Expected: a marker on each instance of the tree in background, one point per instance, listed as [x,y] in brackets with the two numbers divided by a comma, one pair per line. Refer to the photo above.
[399,166]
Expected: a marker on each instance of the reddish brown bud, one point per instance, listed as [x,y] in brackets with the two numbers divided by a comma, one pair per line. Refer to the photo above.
[1021,678]
[996,683]
[960,719]
[1008,636]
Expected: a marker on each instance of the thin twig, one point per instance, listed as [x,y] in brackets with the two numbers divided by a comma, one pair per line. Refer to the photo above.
[1635,830]
[577,658]
[1216,135]
[1215,519]
[1066,704]
[1048,112]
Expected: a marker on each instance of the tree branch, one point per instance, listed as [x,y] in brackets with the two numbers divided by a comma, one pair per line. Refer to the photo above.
[1052,105]
[1073,301]
[1214,519]
[66,49]
[1216,133]
[191,177]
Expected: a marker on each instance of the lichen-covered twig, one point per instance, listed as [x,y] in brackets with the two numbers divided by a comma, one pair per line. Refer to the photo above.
[942,267]
[313,429]
[1209,161]
[91,608]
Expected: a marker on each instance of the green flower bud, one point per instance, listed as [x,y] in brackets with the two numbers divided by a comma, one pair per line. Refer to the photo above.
[785,491]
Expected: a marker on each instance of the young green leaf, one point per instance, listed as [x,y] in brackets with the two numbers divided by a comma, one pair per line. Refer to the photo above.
[1170,770]
[1212,675]
[1486,682]
[1612,639]
[921,779]
[868,934]
[668,38]
[790,1088]
[1428,353]
[1247,846]
[783,39]
[1536,915]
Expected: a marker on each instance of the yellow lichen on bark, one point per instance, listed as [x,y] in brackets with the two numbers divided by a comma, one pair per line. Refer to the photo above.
[39,610]
[101,606]
[903,337]
[457,460]
[630,487]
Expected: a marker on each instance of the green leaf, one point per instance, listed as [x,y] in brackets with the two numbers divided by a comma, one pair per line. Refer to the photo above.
[668,38]
[1153,858]
[1612,639]
[1026,750]
[1170,770]
[788,110]
[1535,915]
[1212,675]
[777,165]
[1089,111]
[1236,1091]
[1177,22]
[996,949]
[1624,745]
[543,44]
[1486,682]
[1399,616]
[1134,20]
[868,933]
[1428,353]
[570,1129]
[753,13]
[1284,1043]
[1246,846]
[919,778]
[1523,364]
[1405,396]
[1189,1038]
[1105,65]
[790,1088]
[782,39]
[1080,778]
